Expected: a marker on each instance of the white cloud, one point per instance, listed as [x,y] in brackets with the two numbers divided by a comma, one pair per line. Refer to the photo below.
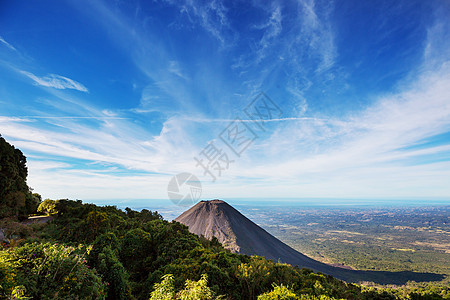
[217,120]
[366,154]
[174,67]
[316,31]
[306,156]
[211,17]
[88,185]
[361,155]
[272,29]
[7,44]
[13,119]
[105,138]
[60,163]
[56,81]
[437,46]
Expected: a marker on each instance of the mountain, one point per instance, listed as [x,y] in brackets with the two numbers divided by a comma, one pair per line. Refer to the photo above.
[240,235]
[216,218]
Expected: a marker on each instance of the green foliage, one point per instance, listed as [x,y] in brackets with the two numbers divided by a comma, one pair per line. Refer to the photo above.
[104,257]
[49,271]
[196,290]
[132,250]
[15,196]
[164,290]
[114,274]
[136,252]
[97,223]
[253,274]
[193,290]
[279,292]
[144,215]
[148,247]
[101,242]
[18,292]
[48,207]
[416,292]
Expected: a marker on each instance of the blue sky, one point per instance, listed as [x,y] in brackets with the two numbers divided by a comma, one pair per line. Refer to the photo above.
[110,99]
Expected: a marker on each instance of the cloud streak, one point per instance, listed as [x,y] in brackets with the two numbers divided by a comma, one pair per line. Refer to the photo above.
[56,81]
[210,16]
[7,44]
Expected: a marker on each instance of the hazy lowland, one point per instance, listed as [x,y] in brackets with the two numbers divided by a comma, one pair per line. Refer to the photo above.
[394,238]
[76,250]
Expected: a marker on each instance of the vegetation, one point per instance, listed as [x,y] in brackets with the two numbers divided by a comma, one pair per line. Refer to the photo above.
[194,290]
[281,292]
[49,271]
[47,207]
[92,252]
[16,197]
[129,254]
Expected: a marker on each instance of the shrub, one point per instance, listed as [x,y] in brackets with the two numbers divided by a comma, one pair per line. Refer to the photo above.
[49,271]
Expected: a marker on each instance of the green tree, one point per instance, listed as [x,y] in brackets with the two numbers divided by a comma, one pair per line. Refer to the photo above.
[114,274]
[193,290]
[18,293]
[96,222]
[253,274]
[165,289]
[16,198]
[279,292]
[108,239]
[49,271]
[104,257]
[137,253]
[48,207]
[196,290]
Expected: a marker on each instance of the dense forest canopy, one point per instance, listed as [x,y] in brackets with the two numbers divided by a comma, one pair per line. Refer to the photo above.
[16,198]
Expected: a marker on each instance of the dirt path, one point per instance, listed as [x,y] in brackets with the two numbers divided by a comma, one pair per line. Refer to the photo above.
[37,219]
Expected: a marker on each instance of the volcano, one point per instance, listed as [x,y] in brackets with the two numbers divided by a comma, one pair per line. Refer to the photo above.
[237,233]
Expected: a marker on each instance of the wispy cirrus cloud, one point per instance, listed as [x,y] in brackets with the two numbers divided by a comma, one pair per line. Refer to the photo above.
[373,150]
[218,120]
[55,81]
[129,147]
[297,43]
[316,31]
[210,15]
[174,67]
[2,40]
[309,157]
[272,29]
[438,43]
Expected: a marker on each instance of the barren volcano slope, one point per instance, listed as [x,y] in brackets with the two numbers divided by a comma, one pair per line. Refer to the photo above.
[240,235]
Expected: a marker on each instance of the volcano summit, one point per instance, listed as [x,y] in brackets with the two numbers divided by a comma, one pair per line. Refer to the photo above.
[237,233]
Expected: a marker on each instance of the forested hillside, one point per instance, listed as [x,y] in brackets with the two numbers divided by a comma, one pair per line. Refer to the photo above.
[106,252]
[16,197]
